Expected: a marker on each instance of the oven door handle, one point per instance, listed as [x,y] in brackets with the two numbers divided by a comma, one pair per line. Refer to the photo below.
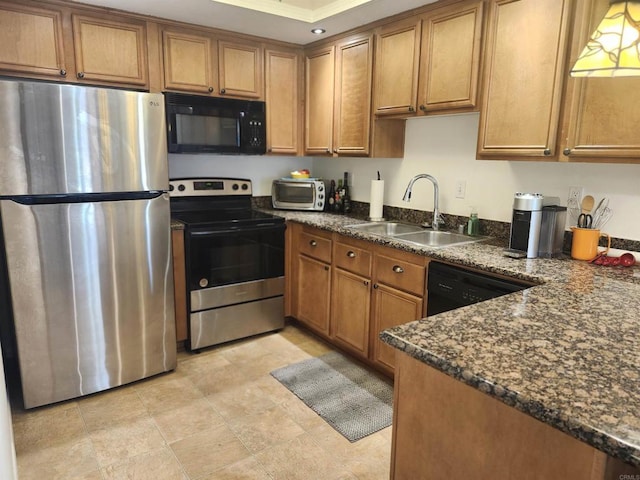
[252,228]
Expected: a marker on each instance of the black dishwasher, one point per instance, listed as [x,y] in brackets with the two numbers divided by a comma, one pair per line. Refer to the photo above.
[450,287]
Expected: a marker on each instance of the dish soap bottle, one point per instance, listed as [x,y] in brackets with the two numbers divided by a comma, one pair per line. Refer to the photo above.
[473,225]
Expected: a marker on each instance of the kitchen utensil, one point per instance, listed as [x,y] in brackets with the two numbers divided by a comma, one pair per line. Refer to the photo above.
[584,245]
[587,204]
[627,259]
[603,218]
[597,213]
[585,221]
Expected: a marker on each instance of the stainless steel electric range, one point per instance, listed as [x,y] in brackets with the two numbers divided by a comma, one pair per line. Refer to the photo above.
[234,260]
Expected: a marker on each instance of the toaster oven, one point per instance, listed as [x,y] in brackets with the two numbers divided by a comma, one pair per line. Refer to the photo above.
[298,194]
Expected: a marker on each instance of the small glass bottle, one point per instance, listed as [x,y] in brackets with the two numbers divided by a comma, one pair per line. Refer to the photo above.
[473,225]
[337,205]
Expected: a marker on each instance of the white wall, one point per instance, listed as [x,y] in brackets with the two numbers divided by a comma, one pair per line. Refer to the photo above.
[445,147]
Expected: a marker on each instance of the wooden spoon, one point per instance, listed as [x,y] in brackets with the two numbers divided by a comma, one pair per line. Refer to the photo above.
[587,204]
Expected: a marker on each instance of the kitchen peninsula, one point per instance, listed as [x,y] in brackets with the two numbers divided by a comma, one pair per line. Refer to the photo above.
[543,380]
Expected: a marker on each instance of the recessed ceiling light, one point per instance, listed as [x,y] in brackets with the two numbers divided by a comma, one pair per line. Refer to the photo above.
[318,31]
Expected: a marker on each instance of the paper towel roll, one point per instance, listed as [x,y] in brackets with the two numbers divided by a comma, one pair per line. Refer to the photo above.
[377,197]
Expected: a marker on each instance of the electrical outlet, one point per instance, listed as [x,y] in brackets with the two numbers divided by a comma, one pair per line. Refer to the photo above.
[575,196]
[461,188]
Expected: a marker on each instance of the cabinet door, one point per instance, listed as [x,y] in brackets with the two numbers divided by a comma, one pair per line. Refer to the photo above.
[396,71]
[313,292]
[319,92]
[240,69]
[31,40]
[350,303]
[450,58]
[282,98]
[391,307]
[188,63]
[112,51]
[354,69]
[523,78]
[602,121]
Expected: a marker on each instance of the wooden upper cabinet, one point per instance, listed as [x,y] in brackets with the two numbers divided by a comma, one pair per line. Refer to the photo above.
[110,50]
[282,96]
[602,113]
[523,78]
[352,114]
[188,62]
[240,69]
[396,71]
[450,58]
[32,41]
[319,92]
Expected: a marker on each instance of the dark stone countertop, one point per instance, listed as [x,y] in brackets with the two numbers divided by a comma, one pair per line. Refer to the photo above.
[566,352]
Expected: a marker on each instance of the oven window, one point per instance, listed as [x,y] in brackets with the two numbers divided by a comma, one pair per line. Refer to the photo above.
[206,130]
[223,258]
[289,193]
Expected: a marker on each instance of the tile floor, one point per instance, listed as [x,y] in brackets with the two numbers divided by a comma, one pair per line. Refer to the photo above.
[220,415]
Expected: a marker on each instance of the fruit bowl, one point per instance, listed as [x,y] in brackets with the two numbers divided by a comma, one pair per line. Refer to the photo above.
[300,174]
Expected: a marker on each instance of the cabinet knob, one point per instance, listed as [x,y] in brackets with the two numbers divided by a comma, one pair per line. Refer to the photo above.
[411,109]
[566,152]
[351,254]
[210,89]
[328,150]
[547,152]
[366,283]
[335,150]
[313,243]
[223,91]
[80,74]
[326,267]
[63,72]
[270,150]
[375,285]
[423,108]
[398,269]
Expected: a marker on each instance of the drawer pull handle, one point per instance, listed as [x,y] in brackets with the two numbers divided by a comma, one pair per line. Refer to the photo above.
[351,254]
[398,269]
[313,243]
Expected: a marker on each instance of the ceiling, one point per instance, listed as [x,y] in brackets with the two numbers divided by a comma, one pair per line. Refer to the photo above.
[286,20]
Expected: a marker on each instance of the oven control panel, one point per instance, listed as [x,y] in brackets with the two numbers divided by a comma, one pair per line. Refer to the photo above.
[209,187]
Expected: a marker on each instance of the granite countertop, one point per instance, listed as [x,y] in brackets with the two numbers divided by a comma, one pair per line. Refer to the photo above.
[565,352]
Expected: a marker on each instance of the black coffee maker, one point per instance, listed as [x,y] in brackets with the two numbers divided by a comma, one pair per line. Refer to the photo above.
[525,225]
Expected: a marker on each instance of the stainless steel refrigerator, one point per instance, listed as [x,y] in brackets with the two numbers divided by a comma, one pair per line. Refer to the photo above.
[86,238]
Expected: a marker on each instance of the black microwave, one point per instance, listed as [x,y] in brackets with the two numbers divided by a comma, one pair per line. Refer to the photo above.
[199,124]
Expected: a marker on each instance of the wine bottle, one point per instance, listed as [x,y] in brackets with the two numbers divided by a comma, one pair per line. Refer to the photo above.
[346,197]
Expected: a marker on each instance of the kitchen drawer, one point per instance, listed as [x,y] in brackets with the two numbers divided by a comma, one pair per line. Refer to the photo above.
[400,273]
[352,258]
[315,246]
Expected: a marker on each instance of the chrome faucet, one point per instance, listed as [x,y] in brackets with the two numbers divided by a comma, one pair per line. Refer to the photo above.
[437,218]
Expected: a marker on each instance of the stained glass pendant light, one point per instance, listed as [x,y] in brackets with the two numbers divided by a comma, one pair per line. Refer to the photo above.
[614,48]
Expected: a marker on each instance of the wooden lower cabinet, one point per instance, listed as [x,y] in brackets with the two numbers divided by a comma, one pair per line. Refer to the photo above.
[309,280]
[313,290]
[443,428]
[392,307]
[179,284]
[349,290]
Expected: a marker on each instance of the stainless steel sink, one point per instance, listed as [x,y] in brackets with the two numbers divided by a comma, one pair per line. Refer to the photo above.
[437,238]
[415,234]
[386,229]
